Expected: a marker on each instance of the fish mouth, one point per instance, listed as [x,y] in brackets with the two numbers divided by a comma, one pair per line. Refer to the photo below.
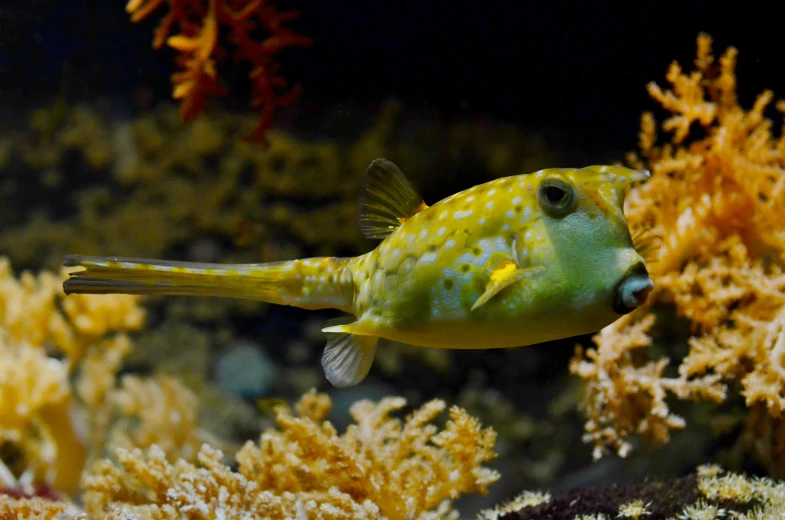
[633,290]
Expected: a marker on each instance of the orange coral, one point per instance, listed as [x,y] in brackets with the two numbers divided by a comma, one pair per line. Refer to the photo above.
[716,198]
[200,51]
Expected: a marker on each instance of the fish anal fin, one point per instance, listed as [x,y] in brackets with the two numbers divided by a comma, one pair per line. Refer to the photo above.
[348,357]
[501,274]
[388,200]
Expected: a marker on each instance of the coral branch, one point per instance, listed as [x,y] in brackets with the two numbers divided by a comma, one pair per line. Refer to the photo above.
[716,199]
[201,50]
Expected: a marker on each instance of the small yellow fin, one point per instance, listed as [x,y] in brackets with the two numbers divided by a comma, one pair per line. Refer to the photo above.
[502,272]
[388,200]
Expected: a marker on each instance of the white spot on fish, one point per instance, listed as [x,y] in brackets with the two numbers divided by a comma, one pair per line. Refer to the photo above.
[491,193]
[423,234]
[481,221]
[506,227]
[450,243]
[442,215]
[527,211]
[489,205]
[411,239]
[517,200]
[470,198]
[428,258]
[442,231]
[539,174]
[528,235]
[463,214]
[510,213]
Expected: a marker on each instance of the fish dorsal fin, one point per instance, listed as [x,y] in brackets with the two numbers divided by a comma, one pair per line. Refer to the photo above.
[388,200]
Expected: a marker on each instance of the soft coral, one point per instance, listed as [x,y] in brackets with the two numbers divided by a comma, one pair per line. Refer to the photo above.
[201,49]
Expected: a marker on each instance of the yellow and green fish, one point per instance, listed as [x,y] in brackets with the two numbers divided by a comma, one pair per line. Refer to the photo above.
[512,262]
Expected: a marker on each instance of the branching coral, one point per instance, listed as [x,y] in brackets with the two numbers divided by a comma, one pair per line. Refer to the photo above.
[32,509]
[380,467]
[36,400]
[623,397]
[716,199]
[201,49]
[160,412]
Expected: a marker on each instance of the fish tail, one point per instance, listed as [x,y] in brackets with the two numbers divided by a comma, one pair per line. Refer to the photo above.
[312,283]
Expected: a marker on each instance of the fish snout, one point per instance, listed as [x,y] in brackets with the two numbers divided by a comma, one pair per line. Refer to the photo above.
[631,292]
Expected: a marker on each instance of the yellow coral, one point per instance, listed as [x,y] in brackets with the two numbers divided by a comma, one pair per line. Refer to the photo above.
[380,467]
[635,510]
[159,411]
[30,312]
[716,200]
[516,505]
[36,397]
[31,509]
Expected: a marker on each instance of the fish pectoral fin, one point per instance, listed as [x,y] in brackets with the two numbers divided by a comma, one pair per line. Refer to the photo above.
[647,244]
[348,357]
[388,200]
[503,275]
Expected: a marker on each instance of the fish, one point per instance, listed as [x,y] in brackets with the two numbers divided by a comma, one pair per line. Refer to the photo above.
[516,261]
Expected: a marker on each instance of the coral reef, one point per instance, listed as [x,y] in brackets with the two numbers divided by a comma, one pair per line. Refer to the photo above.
[715,201]
[711,493]
[381,467]
[57,359]
[202,46]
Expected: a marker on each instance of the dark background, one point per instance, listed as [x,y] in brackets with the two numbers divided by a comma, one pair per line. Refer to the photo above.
[579,67]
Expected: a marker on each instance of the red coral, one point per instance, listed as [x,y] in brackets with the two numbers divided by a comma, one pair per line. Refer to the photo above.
[201,23]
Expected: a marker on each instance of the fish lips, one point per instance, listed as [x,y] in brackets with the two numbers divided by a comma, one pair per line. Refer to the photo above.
[632,291]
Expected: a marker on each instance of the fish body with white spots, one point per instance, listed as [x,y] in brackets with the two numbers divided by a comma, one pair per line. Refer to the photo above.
[512,262]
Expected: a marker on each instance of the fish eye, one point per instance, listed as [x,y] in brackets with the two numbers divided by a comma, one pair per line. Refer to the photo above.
[556,197]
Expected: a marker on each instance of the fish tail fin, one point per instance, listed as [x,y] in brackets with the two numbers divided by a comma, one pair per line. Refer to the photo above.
[313,283]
